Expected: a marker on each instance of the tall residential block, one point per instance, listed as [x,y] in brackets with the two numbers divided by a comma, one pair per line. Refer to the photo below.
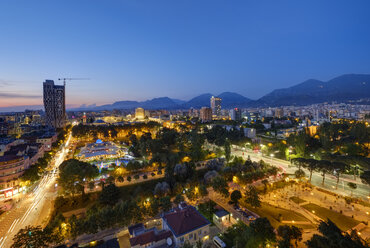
[216,106]
[54,104]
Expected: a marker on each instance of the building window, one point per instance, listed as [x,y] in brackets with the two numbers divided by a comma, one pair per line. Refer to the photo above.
[191,236]
[182,239]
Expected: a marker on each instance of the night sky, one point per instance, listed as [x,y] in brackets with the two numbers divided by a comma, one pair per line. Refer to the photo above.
[137,50]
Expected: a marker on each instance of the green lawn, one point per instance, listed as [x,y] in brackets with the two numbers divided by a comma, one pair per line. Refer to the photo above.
[342,221]
[296,199]
[272,213]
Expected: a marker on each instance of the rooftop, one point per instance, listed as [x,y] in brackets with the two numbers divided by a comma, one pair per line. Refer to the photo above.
[149,237]
[182,221]
[221,213]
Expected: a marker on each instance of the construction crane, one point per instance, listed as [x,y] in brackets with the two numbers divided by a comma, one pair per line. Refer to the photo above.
[69,79]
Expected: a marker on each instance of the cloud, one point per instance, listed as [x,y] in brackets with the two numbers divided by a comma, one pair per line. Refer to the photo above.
[4,82]
[17,95]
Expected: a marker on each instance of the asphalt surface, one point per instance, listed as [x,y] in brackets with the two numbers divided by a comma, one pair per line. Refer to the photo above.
[33,208]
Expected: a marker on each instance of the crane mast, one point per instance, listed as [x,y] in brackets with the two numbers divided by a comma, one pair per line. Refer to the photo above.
[69,79]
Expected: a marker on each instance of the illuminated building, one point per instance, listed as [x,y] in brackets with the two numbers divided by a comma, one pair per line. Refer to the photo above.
[54,104]
[11,168]
[279,113]
[216,106]
[235,114]
[139,113]
[84,118]
[206,114]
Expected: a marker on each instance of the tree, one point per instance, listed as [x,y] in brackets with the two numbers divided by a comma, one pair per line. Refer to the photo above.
[227,150]
[263,231]
[110,180]
[120,179]
[332,236]
[74,173]
[30,237]
[299,174]
[235,196]
[203,190]
[220,185]
[365,177]
[288,234]
[109,195]
[324,167]
[339,168]
[251,197]
[299,162]
[311,165]
[178,199]
[91,185]
[161,189]
[265,183]
[165,203]
[353,186]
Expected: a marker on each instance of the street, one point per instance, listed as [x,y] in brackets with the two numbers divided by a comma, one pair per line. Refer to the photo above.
[34,207]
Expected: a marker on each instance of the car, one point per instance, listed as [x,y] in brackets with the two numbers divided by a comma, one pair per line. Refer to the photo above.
[251,218]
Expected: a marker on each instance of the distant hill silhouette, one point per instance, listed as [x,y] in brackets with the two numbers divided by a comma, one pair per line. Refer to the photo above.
[340,89]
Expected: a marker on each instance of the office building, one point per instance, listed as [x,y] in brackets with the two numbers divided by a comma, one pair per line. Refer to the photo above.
[139,113]
[54,104]
[216,106]
[206,114]
[235,114]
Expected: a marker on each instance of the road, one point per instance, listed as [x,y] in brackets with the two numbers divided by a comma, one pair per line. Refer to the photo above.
[362,191]
[33,208]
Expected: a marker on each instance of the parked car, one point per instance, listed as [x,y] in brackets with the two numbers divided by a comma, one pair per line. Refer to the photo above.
[251,218]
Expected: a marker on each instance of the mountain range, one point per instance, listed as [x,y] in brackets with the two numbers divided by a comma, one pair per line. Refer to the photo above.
[345,88]
[349,87]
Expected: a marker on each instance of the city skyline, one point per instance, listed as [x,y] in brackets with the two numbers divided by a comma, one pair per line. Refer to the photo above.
[249,48]
[182,124]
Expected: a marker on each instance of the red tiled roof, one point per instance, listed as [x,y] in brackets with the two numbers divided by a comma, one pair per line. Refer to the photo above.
[185,220]
[149,237]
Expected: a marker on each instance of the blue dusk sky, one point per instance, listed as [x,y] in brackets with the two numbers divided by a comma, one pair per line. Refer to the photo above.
[137,50]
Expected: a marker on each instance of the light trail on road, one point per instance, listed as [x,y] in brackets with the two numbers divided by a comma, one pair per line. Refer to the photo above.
[29,209]
[3,242]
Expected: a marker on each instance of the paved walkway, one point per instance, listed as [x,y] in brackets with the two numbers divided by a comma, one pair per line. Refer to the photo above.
[317,197]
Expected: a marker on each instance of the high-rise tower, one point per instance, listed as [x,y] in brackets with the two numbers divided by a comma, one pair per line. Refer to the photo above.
[55,104]
[216,106]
